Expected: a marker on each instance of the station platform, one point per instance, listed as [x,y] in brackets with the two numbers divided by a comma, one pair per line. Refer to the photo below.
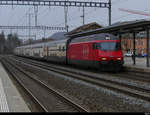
[10,98]
[140,64]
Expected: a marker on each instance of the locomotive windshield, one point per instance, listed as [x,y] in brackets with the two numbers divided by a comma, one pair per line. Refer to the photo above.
[109,46]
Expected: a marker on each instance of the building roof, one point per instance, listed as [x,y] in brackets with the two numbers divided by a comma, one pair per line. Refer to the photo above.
[86,27]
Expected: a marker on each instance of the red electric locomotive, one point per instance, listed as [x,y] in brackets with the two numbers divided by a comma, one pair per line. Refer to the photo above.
[99,50]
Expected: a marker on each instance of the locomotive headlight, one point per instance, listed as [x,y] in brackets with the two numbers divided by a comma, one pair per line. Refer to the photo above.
[104,59]
[118,58]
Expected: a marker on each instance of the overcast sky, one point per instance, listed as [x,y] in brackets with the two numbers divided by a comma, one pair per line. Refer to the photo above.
[54,16]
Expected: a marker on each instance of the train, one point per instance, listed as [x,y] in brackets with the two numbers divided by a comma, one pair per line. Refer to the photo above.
[100,51]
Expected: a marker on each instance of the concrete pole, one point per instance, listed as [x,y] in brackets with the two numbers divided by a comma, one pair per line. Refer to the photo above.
[109,12]
[147,62]
[134,37]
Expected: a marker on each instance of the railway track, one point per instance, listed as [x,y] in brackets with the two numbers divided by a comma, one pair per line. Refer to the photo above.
[44,96]
[128,75]
[92,78]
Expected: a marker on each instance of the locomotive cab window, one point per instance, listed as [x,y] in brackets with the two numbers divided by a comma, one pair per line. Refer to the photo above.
[109,46]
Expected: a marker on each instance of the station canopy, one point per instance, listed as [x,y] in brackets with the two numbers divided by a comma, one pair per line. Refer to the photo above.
[118,28]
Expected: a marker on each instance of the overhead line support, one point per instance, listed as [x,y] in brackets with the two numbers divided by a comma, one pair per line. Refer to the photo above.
[33,27]
[60,3]
[109,12]
[54,3]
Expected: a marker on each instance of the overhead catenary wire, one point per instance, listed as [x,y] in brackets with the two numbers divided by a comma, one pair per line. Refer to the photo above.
[12,14]
[89,13]
[73,18]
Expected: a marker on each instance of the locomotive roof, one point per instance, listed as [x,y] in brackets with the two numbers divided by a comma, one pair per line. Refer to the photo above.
[102,36]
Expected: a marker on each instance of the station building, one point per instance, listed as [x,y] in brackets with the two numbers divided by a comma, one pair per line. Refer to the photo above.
[127,43]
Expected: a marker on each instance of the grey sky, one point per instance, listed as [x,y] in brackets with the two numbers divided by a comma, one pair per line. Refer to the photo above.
[54,16]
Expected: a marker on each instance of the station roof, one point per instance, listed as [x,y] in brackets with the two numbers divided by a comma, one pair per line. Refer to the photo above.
[119,28]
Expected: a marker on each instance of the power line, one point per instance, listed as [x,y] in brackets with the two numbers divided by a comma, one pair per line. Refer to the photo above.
[59,3]
[74,18]
[118,2]
[89,13]
[23,17]
[12,15]
[54,3]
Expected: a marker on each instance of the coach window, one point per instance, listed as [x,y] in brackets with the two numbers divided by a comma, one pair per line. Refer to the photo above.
[94,46]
